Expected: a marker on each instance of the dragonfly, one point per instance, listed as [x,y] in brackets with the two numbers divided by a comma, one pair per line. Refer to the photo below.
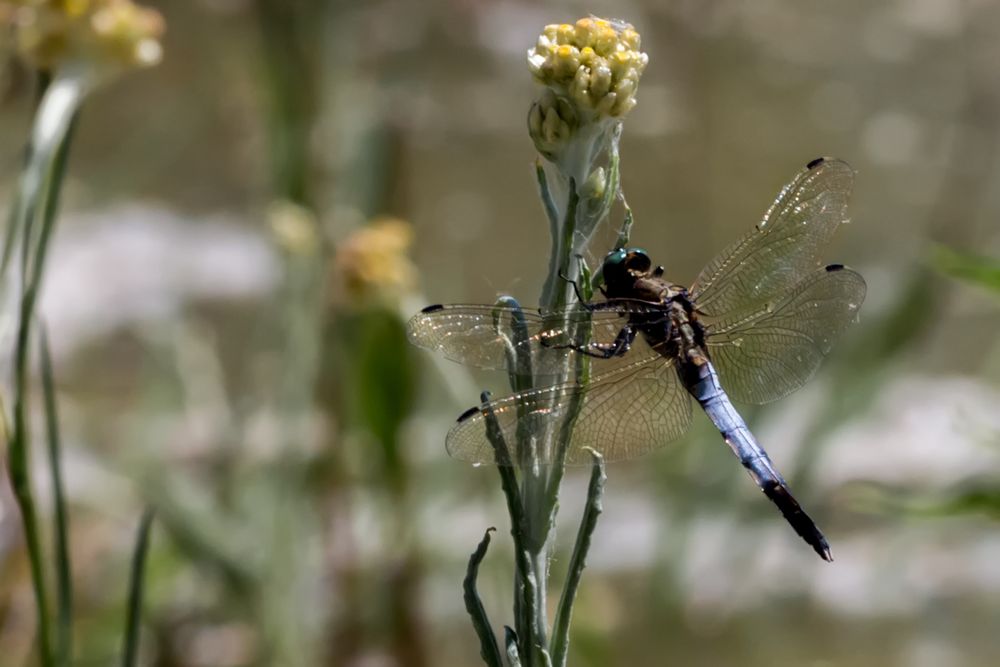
[753,327]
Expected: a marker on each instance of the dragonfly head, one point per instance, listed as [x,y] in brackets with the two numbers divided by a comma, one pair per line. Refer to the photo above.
[622,267]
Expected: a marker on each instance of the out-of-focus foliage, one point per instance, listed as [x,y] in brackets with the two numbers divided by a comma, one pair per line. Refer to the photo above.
[973,269]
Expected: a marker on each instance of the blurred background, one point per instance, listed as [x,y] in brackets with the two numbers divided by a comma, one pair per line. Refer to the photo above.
[246,226]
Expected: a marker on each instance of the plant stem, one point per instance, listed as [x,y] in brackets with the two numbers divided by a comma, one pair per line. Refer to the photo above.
[136,588]
[572,226]
[525,595]
[64,583]
[39,189]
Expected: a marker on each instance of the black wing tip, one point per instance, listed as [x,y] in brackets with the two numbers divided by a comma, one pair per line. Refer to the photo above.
[833,162]
[432,308]
[830,268]
[467,414]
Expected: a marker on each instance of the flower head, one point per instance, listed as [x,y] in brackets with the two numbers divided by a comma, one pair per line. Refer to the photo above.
[595,63]
[98,33]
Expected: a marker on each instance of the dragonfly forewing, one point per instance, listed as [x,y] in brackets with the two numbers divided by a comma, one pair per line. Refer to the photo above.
[784,247]
[484,336]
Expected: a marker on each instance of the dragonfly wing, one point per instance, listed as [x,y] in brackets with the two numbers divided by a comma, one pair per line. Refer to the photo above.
[765,354]
[622,415]
[484,336]
[475,335]
[784,247]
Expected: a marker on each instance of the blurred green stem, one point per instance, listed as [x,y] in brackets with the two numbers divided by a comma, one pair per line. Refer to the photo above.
[64,582]
[36,201]
[289,31]
[136,588]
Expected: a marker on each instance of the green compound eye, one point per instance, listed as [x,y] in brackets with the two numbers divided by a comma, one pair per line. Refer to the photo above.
[615,258]
[623,266]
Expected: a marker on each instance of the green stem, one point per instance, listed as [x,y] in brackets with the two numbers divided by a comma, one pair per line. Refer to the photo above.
[39,189]
[562,294]
[287,29]
[554,292]
[64,583]
[525,588]
[552,215]
[541,452]
[136,588]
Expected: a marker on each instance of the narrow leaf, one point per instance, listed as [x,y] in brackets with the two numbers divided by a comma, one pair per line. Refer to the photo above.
[524,594]
[510,639]
[64,583]
[34,213]
[519,367]
[488,647]
[136,588]
[593,509]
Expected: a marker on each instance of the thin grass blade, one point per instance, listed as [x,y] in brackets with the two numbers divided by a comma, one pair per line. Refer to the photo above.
[64,581]
[136,589]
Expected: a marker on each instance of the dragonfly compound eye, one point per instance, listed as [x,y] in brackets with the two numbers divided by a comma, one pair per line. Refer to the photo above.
[637,261]
[614,259]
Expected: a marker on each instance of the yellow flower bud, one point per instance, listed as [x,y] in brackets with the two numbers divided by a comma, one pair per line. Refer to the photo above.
[579,89]
[565,34]
[595,185]
[551,123]
[600,79]
[594,63]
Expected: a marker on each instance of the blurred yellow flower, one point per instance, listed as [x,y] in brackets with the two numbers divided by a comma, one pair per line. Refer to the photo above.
[596,63]
[98,33]
[373,261]
[294,227]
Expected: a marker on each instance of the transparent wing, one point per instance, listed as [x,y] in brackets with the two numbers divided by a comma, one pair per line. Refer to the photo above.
[767,353]
[784,248]
[622,415]
[483,336]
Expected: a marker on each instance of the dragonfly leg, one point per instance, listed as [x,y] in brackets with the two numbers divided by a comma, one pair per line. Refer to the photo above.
[577,290]
[619,346]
